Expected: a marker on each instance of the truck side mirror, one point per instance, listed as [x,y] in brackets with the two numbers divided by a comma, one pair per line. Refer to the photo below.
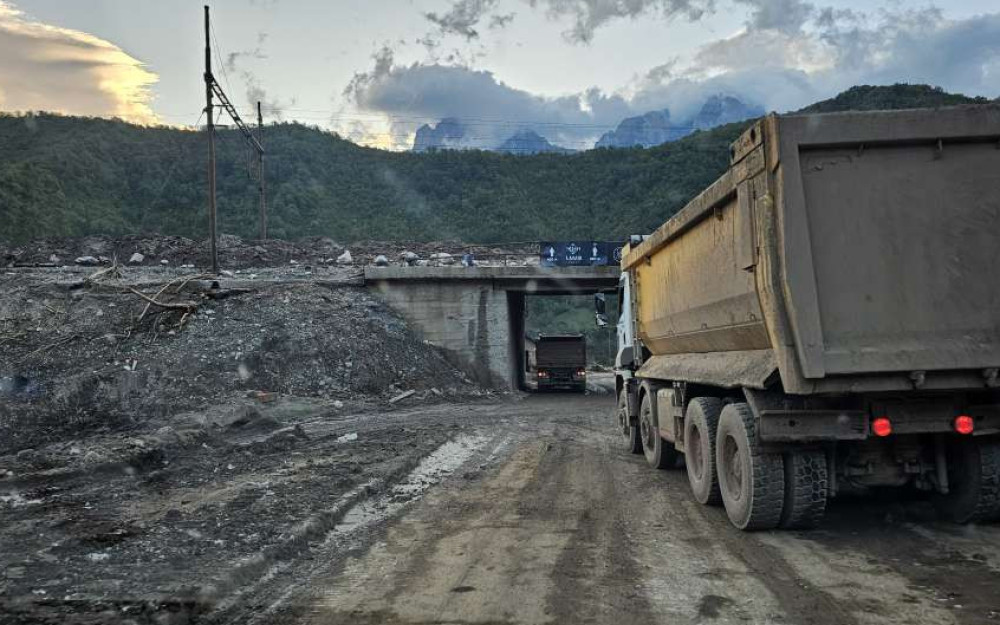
[600,309]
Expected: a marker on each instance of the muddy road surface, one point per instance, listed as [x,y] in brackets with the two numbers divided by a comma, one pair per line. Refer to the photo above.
[520,511]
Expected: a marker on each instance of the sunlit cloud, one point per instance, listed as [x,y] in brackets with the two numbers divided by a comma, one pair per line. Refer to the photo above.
[67,71]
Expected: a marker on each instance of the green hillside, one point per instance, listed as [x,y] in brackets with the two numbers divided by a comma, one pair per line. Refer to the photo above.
[76,176]
[891,97]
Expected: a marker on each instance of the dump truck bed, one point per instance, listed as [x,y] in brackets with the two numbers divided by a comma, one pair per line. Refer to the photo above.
[840,252]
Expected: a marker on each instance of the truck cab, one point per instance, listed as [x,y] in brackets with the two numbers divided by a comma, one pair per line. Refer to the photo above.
[561,362]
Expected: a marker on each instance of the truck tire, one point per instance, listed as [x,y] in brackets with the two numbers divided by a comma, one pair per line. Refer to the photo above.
[974,481]
[701,420]
[659,454]
[627,432]
[805,489]
[751,480]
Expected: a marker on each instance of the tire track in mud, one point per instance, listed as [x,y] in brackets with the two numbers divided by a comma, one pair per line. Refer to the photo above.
[598,545]
[698,568]
[259,590]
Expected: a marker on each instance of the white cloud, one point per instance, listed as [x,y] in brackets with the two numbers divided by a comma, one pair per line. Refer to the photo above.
[801,60]
[491,110]
[68,71]
[590,15]
[788,54]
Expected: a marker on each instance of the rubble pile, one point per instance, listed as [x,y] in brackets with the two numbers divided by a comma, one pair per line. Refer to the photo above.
[113,353]
[167,436]
[236,253]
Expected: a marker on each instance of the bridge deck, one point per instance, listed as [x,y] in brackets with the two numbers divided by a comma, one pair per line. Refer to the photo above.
[528,279]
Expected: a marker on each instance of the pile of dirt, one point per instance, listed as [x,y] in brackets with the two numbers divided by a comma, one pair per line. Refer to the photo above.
[168,438]
[84,356]
[234,252]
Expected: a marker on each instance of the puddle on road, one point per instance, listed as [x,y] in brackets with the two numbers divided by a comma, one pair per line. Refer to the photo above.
[431,470]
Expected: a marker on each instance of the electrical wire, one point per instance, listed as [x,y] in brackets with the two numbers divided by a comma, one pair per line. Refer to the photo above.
[218,55]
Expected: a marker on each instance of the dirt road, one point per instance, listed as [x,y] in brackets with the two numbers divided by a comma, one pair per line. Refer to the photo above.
[511,512]
[547,521]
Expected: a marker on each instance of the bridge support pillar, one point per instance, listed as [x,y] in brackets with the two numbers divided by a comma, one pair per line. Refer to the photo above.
[471,321]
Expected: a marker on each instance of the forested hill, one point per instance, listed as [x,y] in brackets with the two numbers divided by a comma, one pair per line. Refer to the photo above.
[75,176]
[62,175]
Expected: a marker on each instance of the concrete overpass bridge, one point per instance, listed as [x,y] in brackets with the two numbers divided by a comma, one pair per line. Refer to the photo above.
[476,314]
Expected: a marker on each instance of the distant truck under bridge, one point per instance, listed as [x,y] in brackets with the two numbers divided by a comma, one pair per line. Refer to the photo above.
[476,314]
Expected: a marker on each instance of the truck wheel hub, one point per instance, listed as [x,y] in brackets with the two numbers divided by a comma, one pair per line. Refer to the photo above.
[733,469]
[697,459]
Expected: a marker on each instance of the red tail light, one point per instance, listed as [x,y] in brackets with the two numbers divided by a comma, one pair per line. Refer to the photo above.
[882,426]
[543,374]
[964,424]
[580,373]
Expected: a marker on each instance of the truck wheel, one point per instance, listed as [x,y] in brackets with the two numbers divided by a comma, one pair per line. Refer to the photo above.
[658,453]
[805,489]
[701,420]
[629,433]
[752,481]
[974,481]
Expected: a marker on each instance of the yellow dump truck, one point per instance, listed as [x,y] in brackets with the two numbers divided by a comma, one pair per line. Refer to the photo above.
[826,315]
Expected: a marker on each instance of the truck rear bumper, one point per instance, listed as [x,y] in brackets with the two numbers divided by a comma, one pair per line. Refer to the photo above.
[795,426]
[802,426]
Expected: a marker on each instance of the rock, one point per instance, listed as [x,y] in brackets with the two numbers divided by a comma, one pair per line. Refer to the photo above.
[167,435]
[293,262]
[442,258]
[164,261]
[401,396]
[346,438]
[227,273]
[338,404]
[87,261]
[53,258]
[345,258]
[27,455]
[136,259]
[409,258]
[264,397]
[423,263]
[14,572]
[381,261]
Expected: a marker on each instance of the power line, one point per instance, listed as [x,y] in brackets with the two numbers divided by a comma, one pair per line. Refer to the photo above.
[218,56]
[214,90]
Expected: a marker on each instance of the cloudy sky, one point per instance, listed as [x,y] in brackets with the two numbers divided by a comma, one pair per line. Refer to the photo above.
[571,69]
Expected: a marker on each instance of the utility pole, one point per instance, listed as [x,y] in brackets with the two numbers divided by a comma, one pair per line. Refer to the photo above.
[210,128]
[260,172]
[214,89]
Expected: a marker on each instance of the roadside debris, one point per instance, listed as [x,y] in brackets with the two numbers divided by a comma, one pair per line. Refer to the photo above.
[402,396]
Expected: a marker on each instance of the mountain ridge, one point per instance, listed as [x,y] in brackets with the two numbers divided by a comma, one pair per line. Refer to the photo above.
[68,176]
